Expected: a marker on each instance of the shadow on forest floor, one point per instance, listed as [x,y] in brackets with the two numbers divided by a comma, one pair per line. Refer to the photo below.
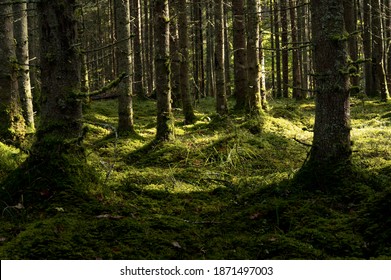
[216,192]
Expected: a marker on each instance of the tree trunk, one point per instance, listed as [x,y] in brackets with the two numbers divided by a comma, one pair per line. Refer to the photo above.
[175,53]
[210,86]
[351,28]
[380,83]
[12,125]
[165,122]
[138,85]
[221,98]
[124,65]
[227,52]
[240,53]
[284,48]
[296,73]
[61,115]
[278,50]
[22,49]
[331,143]
[187,103]
[253,101]
[367,47]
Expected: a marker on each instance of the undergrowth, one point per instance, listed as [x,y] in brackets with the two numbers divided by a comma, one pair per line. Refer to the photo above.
[224,189]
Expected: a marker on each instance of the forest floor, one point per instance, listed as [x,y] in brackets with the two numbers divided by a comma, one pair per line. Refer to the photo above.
[224,189]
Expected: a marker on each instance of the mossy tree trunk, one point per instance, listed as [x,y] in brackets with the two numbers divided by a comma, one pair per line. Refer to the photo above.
[124,65]
[221,97]
[187,102]
[253,100]
[331,143]
[60,65]
[12,126]
[240,53]
[22,48]
[165,122]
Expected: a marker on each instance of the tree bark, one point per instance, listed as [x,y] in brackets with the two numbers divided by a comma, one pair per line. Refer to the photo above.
[187,103]
[138,85]
[331,143]
[380,83]
[60,65]
[253,101]
[276,34]
[165,122]
[296,73]
[124,65]
[284,48]
[221,97]
[12,126]
[22,49]
[367,47]
[240,53]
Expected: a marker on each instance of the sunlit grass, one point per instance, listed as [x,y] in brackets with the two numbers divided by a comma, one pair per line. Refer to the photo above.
[221,190]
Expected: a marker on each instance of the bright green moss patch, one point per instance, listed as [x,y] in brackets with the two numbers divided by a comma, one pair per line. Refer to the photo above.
[224,189]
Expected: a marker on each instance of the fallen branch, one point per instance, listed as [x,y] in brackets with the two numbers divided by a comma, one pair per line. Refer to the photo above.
[301,142]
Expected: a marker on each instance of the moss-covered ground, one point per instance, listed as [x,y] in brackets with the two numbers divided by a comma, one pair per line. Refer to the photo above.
[224,189]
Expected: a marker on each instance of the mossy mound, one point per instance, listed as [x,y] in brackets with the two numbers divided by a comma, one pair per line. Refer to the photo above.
[224,189]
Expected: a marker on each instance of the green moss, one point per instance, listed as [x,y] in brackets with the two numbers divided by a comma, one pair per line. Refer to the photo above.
[222,190]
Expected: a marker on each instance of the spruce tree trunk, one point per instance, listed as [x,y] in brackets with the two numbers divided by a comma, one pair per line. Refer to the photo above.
[210,86]
[284,48]
[253,101]
[22,49]
[351,28]
[187,103]
[124,65]
[278,50]
[380,83]
[296,73]
[221,98]
[175,53]
[367,47]
[240,53]
[60,65]
[165,122]
[331,143]
[138,85]
[12,127]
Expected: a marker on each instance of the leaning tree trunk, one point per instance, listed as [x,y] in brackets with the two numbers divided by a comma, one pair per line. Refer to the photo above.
[11,119]
[331,143]
[165,122]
